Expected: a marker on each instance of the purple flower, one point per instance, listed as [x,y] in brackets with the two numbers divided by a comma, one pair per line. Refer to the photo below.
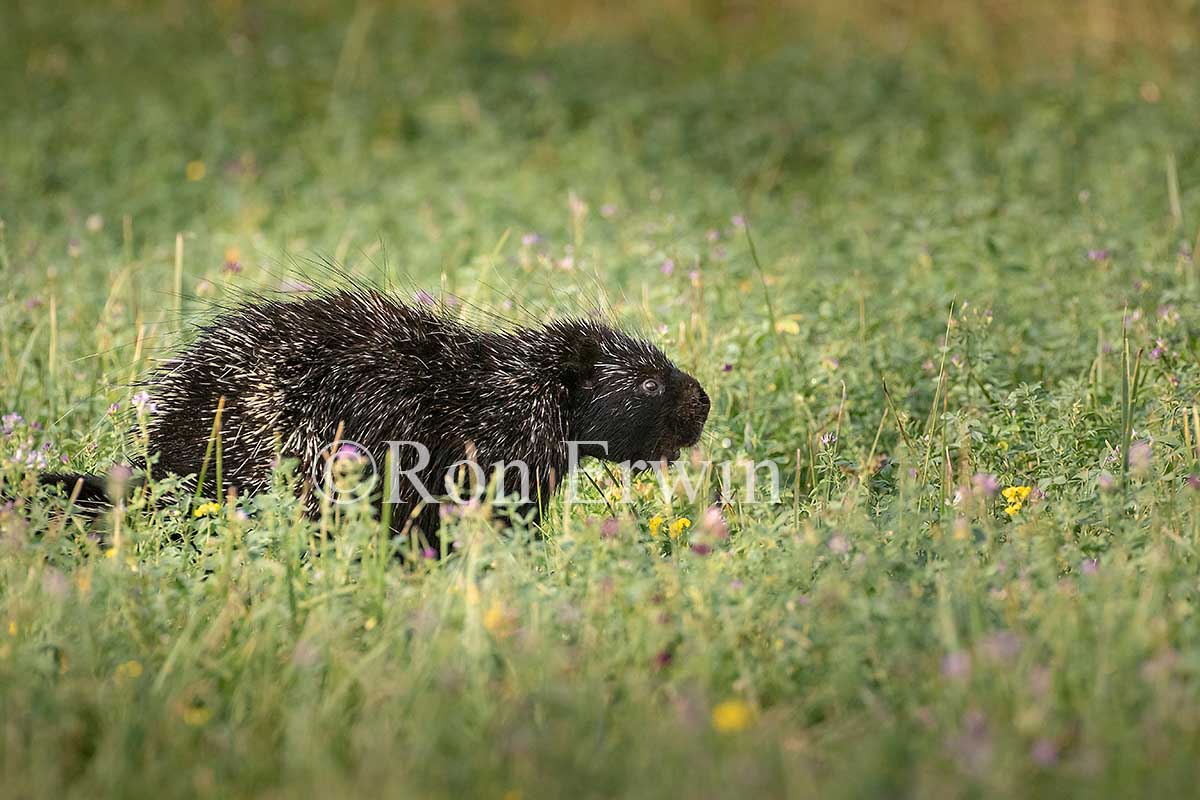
[712,234]
[1098,255]
[424,298]
[738,221]
[1044,752]
[972,745]
[1106,482]
[608,210]
[143,403]
[231,267]
[530,239]
[609,528]
[33,303]
[694,275]
[663,659]
[713,523]
[957,665]
[1041,681]
[701,549]
[114,408]
[1160,667]
[457,510]
[429,552]
[668,266]
[727,367]
[838,544]
[985,483]
[29,456]
[348,452]
[1140,456]
[1002,646]
[10,421]
[1089,566]
[1193,481]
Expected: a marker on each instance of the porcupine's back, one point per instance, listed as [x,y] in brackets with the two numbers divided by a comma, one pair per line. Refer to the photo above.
[292,372]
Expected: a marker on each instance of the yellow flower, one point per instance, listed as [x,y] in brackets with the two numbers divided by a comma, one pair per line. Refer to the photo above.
[656,523]
[1016,494]
[12,627]
[206,510]
[962,530]
[731,716]
[789,326]
[195,170]
[110,552]
[1012,508]
[497,620]
[678,526]
[128,670]
[370,624]
[196,715]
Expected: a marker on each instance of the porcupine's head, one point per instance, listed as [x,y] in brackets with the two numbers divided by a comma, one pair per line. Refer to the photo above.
[625,392]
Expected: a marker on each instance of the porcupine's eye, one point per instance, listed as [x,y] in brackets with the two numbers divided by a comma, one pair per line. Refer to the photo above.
[651,386]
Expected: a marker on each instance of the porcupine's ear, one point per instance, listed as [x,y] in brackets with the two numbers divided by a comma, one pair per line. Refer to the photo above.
[579,363]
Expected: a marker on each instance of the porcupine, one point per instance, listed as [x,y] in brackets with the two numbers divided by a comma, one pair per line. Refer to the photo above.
[360,365]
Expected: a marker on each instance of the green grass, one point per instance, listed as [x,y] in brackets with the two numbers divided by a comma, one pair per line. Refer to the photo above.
[919,224]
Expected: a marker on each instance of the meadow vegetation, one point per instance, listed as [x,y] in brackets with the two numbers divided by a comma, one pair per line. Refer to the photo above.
[935,261]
